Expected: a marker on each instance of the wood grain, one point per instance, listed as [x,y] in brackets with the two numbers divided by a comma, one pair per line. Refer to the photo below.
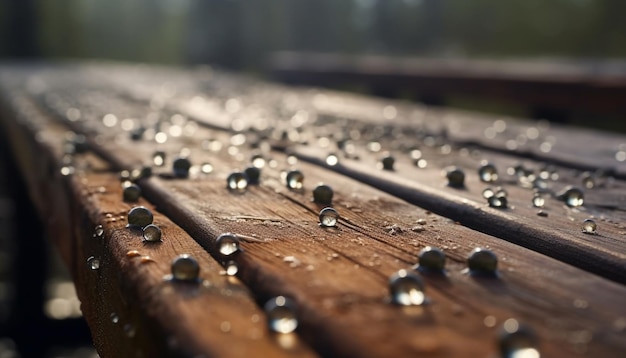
[130,308]
[339,276]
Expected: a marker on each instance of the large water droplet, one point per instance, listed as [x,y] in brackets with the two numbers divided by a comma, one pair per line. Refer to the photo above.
[281,315]
[237,181]
[488,173]
[406,288]
[482,262]
[295,180]
[589,226]
[328,217]
[152,233]
[131,193]
[185,268]
[323,194]
[517,340]
[253,174]
[572,196]
[93,263]
[227,244]
[181,167]
[114,317]
[456,177]
[140,216]
[431,259]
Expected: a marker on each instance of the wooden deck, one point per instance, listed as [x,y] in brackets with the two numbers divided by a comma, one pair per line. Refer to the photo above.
[565,285]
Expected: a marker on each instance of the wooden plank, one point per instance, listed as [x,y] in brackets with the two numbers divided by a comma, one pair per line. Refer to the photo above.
[338,277]
[339,294]
[131,310]
[598,87]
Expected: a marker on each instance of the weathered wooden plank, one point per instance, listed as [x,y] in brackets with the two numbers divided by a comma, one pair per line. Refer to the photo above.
[340,280]
[599,87]
[131,310]
[363,255]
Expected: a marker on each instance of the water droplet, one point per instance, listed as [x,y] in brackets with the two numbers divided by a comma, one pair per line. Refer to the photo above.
[572,196]
[517,340]
[281,315]
[387,162]
[421,163]
[185,268]
[114,317]
[129,330]
[93,263]
[488,173]
[206,168]
[231,268]
[589,226]
[332,160]
[374,147]
[416,154]
[295,180]
[538,201]
[258,161]
[542,213]
[133,253]
[292,160]
[181,167]
[152,233]
[67,170]
[140,216]
[99,231]
[124,175]
[328,217]
[620,156]
[131,193]
[488,193]
[499,202]
[323,194]
[158,158]
[431,259]
[253,174]
[406,288]
[482,262]
[237,181]
[456,177]
[588,181]
[227,244]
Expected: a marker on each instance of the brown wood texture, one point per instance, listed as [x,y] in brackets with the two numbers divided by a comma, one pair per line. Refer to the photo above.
[130,307]
[338,276]
[566,85]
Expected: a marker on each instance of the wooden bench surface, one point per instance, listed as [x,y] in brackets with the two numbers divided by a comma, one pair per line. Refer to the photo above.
[565,285]
[566,85]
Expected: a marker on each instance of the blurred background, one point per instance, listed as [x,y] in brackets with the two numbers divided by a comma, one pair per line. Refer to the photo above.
[586,37]
[240,34]
[569,42]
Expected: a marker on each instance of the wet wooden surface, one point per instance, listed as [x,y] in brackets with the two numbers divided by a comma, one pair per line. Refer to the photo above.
[566,285]
[564,85]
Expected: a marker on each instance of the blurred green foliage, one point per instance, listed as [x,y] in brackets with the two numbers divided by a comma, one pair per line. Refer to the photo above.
[242,32]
